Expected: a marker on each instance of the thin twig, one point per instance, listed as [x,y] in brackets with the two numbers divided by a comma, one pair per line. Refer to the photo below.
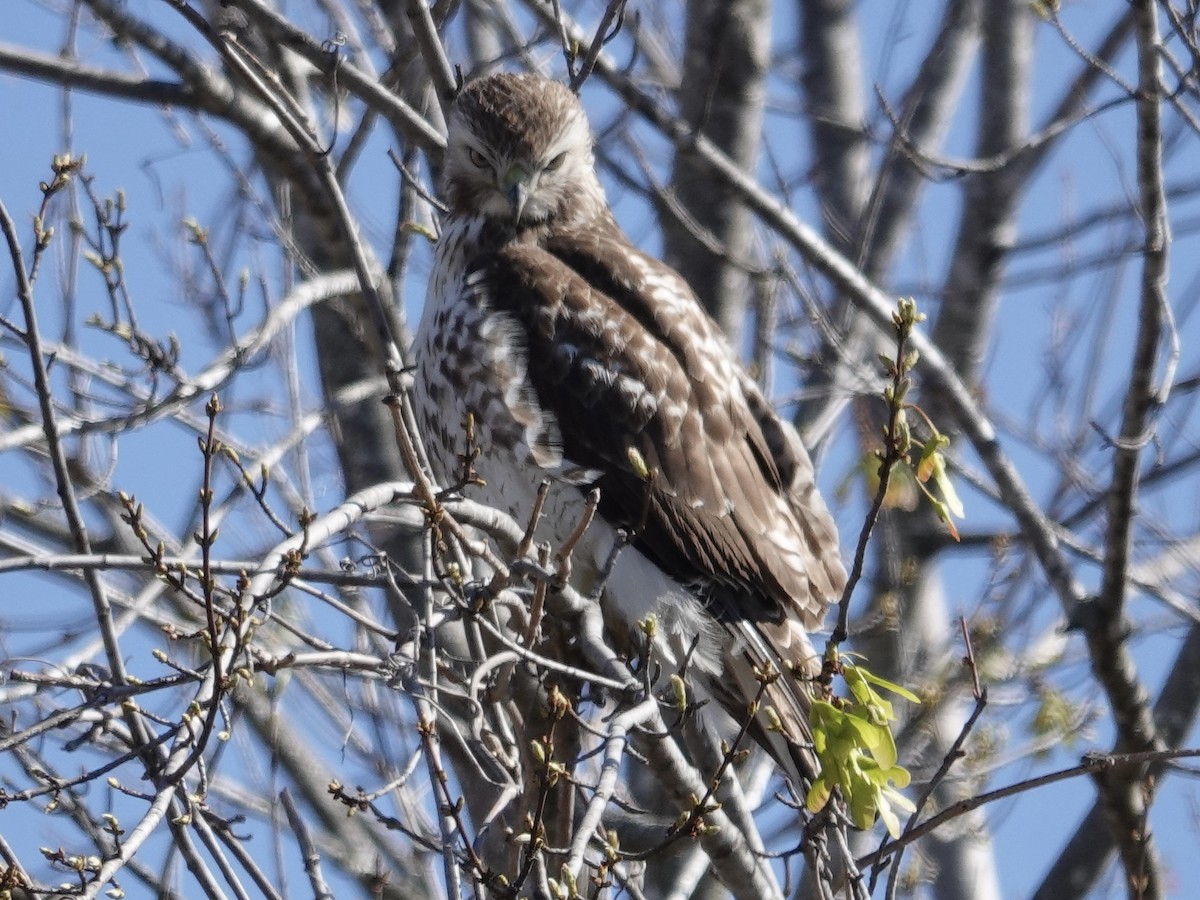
[952,756]
[365,86]
[308,849]
[1091,764]
[58,457]
[895,449]
[441,73]
[605,32]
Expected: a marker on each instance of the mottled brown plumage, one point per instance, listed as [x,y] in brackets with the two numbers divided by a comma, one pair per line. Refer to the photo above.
[583,359]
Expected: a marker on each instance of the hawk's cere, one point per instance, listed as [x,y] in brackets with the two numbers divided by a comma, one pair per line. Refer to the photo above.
[586,362]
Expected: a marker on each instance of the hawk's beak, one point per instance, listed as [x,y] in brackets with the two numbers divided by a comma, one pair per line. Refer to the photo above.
[516,185]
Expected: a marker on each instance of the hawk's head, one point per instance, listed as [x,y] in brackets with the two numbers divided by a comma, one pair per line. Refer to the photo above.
[520,150]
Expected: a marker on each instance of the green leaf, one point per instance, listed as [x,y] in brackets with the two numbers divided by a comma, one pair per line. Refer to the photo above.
[874,679]
[944,514]
[930,451]
[931,466]
[946,487]
[857,751]
[878,739]
[818,795]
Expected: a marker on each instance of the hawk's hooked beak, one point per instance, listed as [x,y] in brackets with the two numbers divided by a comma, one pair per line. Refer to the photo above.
[516,184]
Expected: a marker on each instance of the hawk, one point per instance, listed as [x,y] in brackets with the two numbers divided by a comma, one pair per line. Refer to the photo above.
[586,363]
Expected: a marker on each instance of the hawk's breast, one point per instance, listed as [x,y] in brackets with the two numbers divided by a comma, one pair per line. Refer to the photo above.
[472,359]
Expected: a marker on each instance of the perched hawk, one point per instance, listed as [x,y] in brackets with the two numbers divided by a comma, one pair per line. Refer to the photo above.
[587,363]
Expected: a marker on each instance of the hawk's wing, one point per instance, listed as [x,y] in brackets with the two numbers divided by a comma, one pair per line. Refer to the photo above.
[632,370]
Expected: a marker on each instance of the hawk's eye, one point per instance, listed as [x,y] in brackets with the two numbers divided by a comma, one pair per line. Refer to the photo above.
[478,160]
[556,163]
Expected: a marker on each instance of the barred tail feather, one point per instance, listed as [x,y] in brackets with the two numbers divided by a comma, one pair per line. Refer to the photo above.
[781,723]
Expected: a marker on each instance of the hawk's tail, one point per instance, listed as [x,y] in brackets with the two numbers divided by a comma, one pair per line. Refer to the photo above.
[761,652]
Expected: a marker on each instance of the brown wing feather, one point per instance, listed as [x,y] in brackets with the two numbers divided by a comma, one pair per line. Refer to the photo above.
[623,356]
